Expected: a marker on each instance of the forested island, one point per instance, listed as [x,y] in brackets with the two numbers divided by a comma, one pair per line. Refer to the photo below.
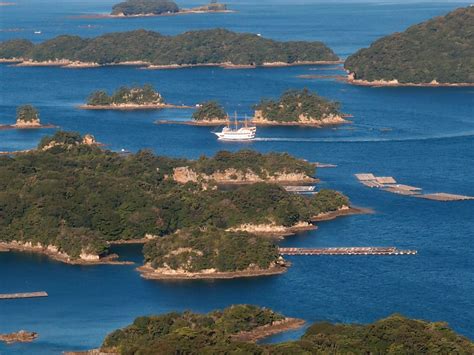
[234,330]
[438,52]
[125,98]
[79,198]
[216,47]
[247,166]
[210,112]
[27,117]
[211,253]
[298,108]
[137,8]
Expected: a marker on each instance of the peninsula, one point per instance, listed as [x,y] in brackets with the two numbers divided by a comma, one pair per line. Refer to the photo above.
[216,47]
[80,198]
[210,254]
[234,330]
[27,117]
[125,98]
[438,52]
[141,8]
[247,167]
[298,108]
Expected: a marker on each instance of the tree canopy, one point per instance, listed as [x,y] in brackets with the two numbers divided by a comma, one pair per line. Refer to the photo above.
[145,95]
[440,49]
[140,7]
[27,113]
[209,111]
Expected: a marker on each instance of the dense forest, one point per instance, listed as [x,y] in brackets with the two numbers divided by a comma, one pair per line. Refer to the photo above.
[195,47]
[191,333]
[140,7]
[297,105]
[263,165]
[80,197]
[27,114]
[145,95]
[210,111]
[194,250]
[440,49]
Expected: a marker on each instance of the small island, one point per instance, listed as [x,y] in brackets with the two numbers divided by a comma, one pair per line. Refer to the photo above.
[236,329]
[438,52]
[152,50]
[27,117]
[210,113]
[21,336]
[298,108]
[141,8]
[125,98]
[81,198]
[210,254]
[247,167]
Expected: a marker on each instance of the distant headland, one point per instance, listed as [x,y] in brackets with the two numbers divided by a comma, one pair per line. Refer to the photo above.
[151,50]
[438,52]
[125,98]
[142,8]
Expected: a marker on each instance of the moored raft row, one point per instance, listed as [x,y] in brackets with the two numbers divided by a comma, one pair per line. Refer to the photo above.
[8,296]
[346,251]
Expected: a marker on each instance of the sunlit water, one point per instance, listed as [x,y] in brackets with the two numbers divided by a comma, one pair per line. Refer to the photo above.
[421,136]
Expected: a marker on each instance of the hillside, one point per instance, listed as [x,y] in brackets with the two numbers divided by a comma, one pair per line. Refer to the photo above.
[217,46]
[438,51]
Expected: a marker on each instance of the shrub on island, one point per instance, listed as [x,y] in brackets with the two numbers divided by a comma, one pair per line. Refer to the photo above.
[218,333]
[144,7]
[440,50]
[26,116]
[217,46]
[297,106]
[211,250]
[210,111]
[140,96]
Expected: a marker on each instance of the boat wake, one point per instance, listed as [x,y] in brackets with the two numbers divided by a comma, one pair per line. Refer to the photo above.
[363,139]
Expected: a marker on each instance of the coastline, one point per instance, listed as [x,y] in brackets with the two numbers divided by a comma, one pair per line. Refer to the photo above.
[395,83]
[64,258]
[324,122]
[147,272]
[267,330]
[130,107]
[181,12]
[14,126]
[71,64]
[274,231]
[213,123]
[343,211]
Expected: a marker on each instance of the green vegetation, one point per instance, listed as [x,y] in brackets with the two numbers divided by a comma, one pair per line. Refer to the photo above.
[195,250]
[191,333]
[440,49]
[210,111]
[27,114]
[145,95]
[196,47]
[140,7]
[67,189]
[297,105]
[264,165]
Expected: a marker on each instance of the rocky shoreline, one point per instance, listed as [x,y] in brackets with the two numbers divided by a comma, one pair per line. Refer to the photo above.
[65,63]
[53,253]
[21,336]
[16,126]
[149,273]
[204,123]
[269,329]
[321,123]
[181,12]
[130,107]
[395,83]
[343,211]
[274,231]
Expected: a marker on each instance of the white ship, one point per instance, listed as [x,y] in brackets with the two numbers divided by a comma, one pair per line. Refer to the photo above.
[244,133]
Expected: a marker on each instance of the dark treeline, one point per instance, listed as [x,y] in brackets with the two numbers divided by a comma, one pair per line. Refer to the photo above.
[145,95]
[195,47]
[212,333]
[208,111]
[140,7]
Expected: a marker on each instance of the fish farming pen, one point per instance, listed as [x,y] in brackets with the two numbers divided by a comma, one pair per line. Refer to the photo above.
[346,251]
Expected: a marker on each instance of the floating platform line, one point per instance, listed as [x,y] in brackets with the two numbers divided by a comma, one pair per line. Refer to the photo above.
[9,296]
[346,251]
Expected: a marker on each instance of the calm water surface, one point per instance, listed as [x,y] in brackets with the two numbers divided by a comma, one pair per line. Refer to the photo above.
[422,136]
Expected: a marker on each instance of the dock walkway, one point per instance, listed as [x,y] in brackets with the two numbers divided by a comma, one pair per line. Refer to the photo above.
[346,251]
[8,296]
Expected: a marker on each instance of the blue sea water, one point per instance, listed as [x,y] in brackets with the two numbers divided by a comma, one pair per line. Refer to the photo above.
[422,136]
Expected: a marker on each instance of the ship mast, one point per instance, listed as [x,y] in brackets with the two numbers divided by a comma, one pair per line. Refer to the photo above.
[235,119]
